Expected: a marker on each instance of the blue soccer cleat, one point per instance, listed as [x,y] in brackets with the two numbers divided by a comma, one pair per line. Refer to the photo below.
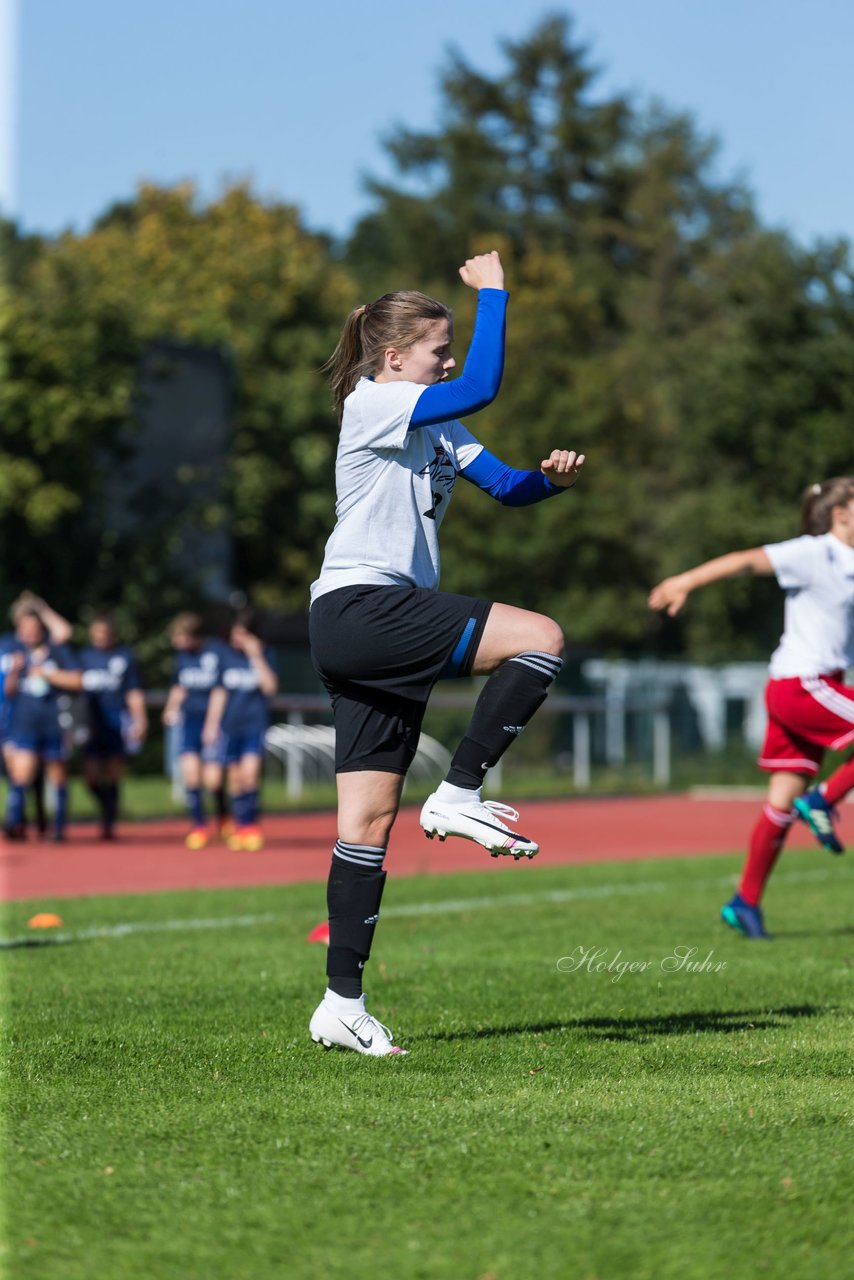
[819,815]
[739,915]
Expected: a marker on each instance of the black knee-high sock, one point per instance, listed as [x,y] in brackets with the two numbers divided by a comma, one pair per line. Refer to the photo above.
[507,701]
[96,789]
[353,895]
[221,802]
[110,803]
[39,799]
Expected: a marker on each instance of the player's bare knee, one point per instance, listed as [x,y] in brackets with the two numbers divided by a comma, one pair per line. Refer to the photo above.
[552,639]
[374,830]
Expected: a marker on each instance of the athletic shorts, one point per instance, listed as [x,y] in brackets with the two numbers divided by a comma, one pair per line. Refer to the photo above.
[233,746]
[48,745]
[37,729]
[190,735]
[379,651]
[807,715]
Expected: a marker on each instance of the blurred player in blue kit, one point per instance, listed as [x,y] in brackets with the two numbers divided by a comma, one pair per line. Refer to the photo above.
[198,660]
[38,667]
[237,720]
[118,721]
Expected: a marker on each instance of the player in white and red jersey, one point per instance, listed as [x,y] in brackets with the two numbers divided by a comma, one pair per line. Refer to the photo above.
[810,709]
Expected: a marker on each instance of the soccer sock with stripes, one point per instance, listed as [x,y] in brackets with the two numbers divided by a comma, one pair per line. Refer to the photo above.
[353,895]
[766,842]
[840,782]
[194,806]
[507,701]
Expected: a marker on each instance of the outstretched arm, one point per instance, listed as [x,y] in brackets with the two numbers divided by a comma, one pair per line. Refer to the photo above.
[672,593]
[478,384]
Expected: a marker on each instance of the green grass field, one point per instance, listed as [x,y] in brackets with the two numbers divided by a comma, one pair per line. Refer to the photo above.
[166,1114]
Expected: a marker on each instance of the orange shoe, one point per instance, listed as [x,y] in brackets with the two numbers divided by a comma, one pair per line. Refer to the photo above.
[198,838]
[251,838]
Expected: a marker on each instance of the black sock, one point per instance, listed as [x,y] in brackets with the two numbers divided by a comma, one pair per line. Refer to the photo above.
[353,895]
[96,789]
[110,803]
[507,701]
[38,797]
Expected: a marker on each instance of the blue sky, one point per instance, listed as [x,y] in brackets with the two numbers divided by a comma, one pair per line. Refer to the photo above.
[296,96]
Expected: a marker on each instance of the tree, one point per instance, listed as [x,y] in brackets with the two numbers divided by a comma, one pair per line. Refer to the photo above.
[235,273]
[697,358]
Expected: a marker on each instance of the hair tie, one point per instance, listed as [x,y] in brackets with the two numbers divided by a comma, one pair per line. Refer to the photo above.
[815,490]
[367,308]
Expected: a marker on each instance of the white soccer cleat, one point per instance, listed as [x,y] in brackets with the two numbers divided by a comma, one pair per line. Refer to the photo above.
[357,1031]
[478,820]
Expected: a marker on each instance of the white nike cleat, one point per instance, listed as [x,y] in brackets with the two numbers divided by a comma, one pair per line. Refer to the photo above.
[357,1031]
[478,820]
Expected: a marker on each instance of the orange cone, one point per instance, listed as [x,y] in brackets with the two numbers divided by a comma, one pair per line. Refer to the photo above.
[45,920]
[320,934]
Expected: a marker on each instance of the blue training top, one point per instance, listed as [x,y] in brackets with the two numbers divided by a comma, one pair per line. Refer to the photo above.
[247,708]
[37,699]
[108,676]
[477,387]
[197,671]
[478,384]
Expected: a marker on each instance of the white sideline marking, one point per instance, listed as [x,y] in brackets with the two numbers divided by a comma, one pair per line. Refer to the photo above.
[448,907]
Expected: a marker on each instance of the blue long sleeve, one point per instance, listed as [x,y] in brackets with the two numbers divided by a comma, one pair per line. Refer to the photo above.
[477,385]
[508,486]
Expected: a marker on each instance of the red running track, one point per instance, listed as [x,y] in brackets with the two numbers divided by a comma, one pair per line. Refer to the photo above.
[151,857]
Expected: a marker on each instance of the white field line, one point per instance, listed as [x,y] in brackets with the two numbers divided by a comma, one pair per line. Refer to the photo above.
[447,907]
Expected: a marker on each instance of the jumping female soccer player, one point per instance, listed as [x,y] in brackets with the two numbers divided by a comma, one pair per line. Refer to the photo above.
[118,721]
[236,724]
[809,708]
[197,668]
[381,633]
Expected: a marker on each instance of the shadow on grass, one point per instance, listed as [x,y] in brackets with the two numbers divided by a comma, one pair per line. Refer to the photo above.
[845,930]
[639,1030]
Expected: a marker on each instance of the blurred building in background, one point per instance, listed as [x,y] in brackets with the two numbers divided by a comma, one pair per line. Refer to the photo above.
[175,479]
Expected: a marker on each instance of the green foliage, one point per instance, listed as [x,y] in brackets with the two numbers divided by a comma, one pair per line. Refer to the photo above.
[237,274]
[697,359]
[701,361]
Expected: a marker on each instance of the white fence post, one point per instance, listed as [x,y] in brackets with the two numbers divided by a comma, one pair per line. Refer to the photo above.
[581,751]
[294,761]
[661,748]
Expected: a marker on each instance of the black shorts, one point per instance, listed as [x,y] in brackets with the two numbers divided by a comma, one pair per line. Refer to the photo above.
[379,651]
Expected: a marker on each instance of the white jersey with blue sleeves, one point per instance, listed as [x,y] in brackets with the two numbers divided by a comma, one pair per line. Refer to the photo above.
[393,487]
